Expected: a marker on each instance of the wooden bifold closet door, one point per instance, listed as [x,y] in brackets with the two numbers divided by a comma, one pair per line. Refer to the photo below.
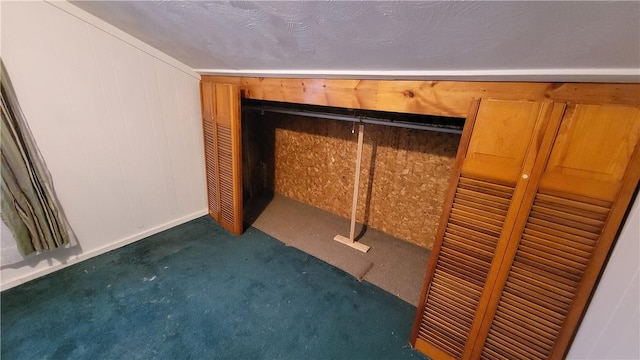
[223,153]
[539,191]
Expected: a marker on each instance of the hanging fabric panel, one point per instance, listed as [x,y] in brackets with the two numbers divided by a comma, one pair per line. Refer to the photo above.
[30,207]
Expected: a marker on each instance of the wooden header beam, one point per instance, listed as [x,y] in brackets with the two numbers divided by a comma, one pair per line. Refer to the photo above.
[444,98]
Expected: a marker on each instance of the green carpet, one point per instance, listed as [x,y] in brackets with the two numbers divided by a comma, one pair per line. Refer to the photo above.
[196,292]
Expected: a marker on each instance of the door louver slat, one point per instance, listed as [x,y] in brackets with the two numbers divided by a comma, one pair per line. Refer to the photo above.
[544,277]
[226,174]
[222,143]
[550,182]
[536,313]
[465,256]
[210,164]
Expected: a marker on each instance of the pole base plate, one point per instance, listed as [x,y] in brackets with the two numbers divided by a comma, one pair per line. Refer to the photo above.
[356,245]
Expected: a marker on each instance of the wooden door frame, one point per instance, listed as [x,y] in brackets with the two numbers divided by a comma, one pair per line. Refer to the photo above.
[441,98]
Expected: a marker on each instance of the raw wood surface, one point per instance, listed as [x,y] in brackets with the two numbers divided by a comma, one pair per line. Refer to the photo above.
[539,139]
[561,234]
[463,146]
[571,186]
[210,149]
[356,182]
[223,153]
[481,212]
[511,125]
[592,150]
[552,243]
[446,98]
[628,185]
[403,180]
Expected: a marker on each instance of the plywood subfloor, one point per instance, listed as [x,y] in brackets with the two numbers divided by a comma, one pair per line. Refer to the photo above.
[392,264]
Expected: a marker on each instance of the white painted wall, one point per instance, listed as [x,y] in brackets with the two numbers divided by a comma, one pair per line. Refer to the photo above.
[611,326]
[117,122]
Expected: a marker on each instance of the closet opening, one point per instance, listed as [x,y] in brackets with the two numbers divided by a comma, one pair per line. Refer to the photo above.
[298,177]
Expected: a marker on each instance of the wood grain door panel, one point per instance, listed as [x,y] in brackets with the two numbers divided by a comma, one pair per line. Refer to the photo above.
[561,239]
[476,219]
[510,126]
[592,150]
[223,153]
[533,211]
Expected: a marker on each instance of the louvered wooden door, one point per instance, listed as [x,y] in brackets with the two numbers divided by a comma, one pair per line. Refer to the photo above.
[519,295]
[582,187]
[223,153]
[488,183]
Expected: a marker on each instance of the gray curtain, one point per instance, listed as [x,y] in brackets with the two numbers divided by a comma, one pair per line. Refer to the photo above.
[29,205]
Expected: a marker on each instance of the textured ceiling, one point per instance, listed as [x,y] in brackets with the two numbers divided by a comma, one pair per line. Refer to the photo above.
[590,38]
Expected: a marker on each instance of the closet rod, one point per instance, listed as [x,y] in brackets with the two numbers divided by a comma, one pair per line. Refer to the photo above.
[352,118]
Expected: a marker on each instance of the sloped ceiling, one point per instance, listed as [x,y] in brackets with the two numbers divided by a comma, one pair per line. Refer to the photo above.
[558,41]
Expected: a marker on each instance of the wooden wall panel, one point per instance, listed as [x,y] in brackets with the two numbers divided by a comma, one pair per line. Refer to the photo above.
[411,177]
[446,98]
[314,162]
[404,177]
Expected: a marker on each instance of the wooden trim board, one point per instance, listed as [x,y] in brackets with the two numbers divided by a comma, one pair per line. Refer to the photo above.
[442,98]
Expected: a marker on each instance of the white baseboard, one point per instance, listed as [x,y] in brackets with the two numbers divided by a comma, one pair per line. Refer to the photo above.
[89,254]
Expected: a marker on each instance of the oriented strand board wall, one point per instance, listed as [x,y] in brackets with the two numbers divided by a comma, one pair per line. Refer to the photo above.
[405,173]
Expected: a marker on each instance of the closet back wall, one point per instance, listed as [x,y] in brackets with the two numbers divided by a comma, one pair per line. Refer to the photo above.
[405,172]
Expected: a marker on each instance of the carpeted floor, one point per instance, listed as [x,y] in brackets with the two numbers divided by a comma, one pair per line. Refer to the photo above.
[196,292]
